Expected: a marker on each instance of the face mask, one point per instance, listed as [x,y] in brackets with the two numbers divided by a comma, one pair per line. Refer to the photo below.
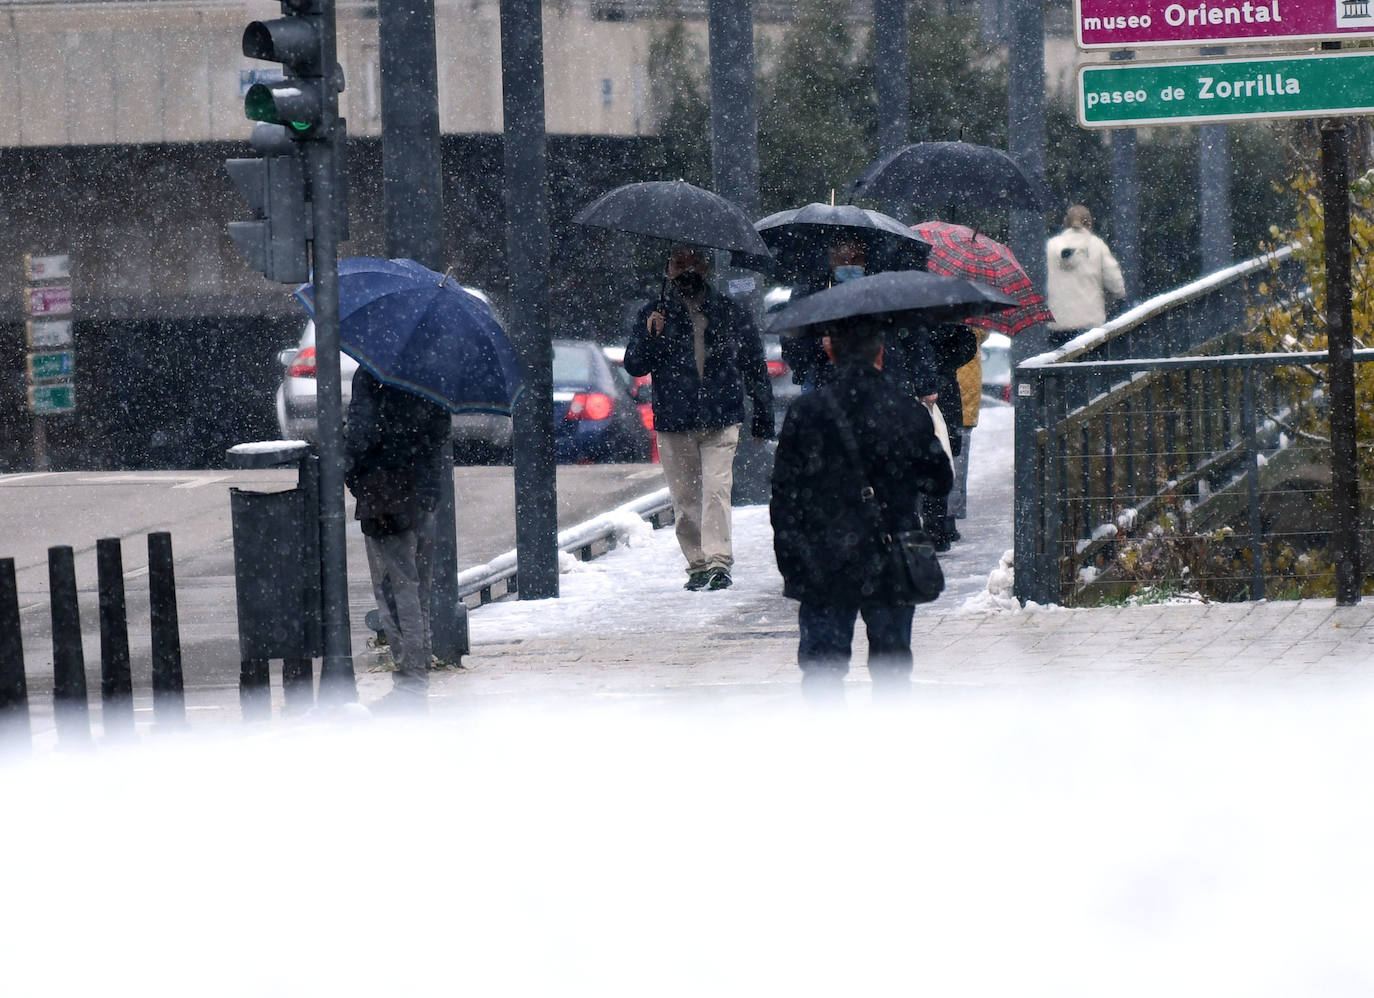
[848,273]
[689,283]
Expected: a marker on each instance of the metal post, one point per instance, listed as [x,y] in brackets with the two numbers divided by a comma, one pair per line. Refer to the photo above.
[527,253]
[1345,495]
[1026,127]
[70,709]
[1027,485]
[337,682]
[1248,430]
[1215,240]
[891,74]
[412,181]
[1125,213]
[14,691]
[116,683]
[169,699]
[336,671]
[734,120]
[1054,482]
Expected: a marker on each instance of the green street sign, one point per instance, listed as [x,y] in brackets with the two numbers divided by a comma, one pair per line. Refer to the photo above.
[1123,95]
[52,398]
[45,366]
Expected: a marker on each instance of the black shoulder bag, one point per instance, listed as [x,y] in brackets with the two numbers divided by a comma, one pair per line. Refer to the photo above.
[909,554]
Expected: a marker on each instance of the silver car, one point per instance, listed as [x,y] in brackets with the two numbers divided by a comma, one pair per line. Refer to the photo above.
[478,437]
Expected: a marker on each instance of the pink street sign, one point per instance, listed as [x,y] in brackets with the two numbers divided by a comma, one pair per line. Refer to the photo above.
[52,300]
[1124,24]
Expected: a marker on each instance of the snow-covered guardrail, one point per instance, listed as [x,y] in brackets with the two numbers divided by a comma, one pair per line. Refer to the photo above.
[500,576]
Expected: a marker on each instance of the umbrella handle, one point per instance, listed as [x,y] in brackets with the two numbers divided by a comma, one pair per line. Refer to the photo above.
[662,305]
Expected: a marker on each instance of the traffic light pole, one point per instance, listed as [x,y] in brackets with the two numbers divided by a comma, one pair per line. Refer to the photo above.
[337,681]
[302,109]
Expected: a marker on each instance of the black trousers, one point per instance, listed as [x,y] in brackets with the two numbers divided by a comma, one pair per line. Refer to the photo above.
[827,634]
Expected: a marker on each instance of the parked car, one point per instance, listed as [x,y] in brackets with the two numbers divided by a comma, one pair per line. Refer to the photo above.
[997,366]
[478,437]
[640,388]
[595,419]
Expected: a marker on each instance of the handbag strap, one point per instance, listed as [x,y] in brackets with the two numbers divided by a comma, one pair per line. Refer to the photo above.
[873,510]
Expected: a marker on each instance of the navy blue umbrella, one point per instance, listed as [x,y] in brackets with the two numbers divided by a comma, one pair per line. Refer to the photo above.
[420,331]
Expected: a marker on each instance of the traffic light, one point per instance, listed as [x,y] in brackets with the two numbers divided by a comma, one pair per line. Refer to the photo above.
[306,101]
[274,242]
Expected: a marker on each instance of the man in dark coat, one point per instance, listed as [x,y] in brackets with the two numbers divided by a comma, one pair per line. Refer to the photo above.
[828,552]
[704,354]
[394,444]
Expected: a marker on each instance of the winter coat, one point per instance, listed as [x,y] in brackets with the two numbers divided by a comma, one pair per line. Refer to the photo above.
[1081,272]
[393,445]
[684,400]
[970,377]
[826,547]
[924,361]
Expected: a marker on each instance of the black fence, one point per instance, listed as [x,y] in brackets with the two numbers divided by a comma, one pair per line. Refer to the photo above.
[1157,451]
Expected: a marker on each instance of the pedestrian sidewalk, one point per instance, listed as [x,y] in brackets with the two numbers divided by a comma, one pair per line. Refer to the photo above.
[1265,644]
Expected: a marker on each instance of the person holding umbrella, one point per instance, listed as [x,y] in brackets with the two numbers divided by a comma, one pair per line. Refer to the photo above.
[425,347]
[846,259]
[704,354]
[394,445]
[831,559]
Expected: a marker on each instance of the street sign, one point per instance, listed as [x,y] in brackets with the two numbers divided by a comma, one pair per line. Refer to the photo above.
[52,398]
[54,299]
[46,334]
[1124,95]
[48,268]
[1121,24]
[47,366]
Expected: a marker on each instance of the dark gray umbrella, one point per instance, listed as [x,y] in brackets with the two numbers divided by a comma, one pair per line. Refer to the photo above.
[800,238]
[899,297]
[937,174]
[677,211]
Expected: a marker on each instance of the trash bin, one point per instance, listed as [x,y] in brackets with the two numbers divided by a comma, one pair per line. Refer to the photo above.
[277,555]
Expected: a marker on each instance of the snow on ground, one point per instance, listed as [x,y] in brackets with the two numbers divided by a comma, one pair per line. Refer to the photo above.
[641,580]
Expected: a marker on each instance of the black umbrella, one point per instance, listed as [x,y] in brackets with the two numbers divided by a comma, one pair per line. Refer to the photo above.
[801,237]
[898,297]
[937,174]
[677,211]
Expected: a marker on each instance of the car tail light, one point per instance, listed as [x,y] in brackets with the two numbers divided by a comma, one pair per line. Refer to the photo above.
[646,416]
[776,369]
[1006,393]
[304,364]
[590,405]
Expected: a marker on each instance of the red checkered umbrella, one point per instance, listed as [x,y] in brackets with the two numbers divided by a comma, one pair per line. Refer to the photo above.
[958,251]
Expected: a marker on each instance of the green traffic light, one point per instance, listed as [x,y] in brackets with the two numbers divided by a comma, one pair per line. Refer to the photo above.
[261,103]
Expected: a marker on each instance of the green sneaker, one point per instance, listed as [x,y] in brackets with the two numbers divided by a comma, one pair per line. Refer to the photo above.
[697,580]
[719,578]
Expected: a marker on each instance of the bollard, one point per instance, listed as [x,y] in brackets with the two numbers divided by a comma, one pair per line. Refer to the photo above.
[298,684]
[255,689]
[169,701]
[14,691]
[70,709]
[116,682]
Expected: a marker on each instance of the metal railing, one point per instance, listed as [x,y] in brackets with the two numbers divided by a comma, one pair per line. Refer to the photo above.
[501,576]
[1162,413]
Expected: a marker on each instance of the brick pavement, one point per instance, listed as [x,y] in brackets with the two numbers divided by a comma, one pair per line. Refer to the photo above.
[1283,643]
[1300,646]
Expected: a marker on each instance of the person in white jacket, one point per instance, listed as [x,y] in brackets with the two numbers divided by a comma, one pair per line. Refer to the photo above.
[1082,275]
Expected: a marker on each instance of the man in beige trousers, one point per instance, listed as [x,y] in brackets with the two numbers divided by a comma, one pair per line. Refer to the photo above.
[704,354]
